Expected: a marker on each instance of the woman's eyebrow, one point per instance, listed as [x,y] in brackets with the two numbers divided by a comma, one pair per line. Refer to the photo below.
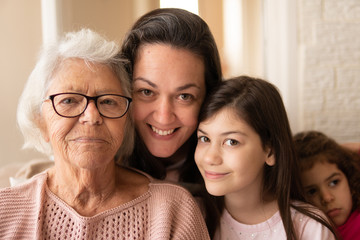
[186,86]
[146,81]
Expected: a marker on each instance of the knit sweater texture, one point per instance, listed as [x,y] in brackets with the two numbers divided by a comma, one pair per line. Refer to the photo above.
[165,211]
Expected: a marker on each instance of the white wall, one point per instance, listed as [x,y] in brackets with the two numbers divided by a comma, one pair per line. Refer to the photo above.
[20,24]
[312,54]
[329,67]
[280,53]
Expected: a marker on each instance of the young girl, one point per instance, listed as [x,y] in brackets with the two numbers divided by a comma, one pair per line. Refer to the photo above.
[246,156]
[330,175]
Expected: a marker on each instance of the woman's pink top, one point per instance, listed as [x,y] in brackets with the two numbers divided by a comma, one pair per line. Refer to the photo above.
[165,211]
[350,230]
[272,229]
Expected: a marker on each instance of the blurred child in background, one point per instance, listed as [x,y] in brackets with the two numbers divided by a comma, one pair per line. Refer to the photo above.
[330,175]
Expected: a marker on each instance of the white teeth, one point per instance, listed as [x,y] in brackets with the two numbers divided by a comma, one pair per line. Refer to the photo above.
[162,132]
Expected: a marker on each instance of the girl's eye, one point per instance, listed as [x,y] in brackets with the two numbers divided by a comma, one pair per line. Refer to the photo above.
[311,192]
[203,139]
[186,97]
[333,183]
[231,142]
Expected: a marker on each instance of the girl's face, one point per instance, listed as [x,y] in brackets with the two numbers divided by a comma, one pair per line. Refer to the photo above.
[168,90]
[327,188]
[230,155]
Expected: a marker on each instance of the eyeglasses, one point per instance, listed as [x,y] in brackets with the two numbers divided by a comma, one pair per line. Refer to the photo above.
[70,105]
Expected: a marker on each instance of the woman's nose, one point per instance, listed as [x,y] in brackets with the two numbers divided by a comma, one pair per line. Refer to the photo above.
[164,111]
[91,114]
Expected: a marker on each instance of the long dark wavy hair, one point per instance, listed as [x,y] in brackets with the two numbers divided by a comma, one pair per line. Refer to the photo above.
[180,29]
[315,146]
[260,105]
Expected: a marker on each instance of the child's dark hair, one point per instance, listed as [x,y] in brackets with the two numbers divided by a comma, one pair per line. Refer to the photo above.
[314,146]
[260,105]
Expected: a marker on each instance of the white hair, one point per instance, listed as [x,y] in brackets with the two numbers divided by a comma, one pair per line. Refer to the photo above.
[88,46]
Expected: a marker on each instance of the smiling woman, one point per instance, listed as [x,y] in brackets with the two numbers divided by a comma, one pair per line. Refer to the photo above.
[74,107]
[167,100]
[173,62]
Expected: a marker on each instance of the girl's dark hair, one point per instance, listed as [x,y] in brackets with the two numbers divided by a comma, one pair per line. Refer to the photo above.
[180,29]
[315,146]
[259,103]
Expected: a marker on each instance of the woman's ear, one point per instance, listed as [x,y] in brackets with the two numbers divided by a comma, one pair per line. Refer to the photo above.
[270,160]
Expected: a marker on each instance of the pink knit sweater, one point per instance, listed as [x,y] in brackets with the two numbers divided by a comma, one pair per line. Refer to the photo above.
[166,211]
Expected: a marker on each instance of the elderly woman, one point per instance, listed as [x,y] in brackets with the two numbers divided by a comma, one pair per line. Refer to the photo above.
[74,107]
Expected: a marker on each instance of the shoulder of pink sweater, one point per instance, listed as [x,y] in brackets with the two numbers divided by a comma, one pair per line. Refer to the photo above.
[173,194]
[165,185]
[26,188]
[170,186]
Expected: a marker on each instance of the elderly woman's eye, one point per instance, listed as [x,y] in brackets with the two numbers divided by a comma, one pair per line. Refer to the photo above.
[108,102]
[68,100]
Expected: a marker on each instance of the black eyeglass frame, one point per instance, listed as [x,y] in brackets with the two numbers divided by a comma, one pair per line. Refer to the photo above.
[88,98]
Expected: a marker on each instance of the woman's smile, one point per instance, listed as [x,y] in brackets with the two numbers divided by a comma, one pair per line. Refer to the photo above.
[162,132]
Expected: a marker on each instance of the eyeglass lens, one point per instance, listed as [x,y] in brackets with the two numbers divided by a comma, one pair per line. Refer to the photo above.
[72,105]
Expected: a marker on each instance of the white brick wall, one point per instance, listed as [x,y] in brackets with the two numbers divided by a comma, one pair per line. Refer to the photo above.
[329,42]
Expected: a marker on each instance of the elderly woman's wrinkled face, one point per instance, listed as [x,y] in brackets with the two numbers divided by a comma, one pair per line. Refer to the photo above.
[89,140]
